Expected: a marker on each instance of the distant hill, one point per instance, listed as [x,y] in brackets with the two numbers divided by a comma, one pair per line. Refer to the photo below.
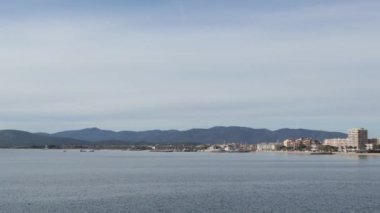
[15,138]
[212,135]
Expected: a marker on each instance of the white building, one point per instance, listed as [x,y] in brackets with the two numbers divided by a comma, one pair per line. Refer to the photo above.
[337,142]
[356,140]
[268,147]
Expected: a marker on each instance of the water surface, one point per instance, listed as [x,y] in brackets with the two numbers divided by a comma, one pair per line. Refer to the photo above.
[118,181]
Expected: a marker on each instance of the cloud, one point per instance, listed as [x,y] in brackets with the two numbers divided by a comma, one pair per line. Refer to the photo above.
[305,66]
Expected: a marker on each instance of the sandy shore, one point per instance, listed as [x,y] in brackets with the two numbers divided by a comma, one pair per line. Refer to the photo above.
[335,153]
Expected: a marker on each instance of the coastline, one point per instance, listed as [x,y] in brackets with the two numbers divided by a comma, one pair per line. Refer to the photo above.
[253,152]
[335,153]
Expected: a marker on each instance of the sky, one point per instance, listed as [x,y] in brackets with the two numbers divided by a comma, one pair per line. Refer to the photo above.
[140,65]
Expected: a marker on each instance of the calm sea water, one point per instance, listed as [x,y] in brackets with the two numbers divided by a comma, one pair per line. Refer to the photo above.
[117,181]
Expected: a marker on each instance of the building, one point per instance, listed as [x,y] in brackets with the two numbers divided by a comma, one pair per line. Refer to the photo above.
[343,144]
[301,143]
[358,138]
[288,143]
[268,147]
[292,144]
[336,142]
[374,141]
[373,144]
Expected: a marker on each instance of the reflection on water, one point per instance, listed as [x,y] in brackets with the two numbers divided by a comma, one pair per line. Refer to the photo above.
[363,156]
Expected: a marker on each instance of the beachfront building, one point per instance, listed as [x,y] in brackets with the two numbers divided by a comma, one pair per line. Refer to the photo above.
[358,138]
[373,144]
[293,144]
[301,144]
[336,142]
[375,141]
[262,147]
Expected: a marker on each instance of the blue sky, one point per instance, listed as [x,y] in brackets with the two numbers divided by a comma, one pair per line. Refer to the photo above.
[141,65]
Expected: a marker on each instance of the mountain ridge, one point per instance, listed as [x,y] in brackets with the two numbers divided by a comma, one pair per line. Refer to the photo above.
[19,139]
[213,135]
[217,134]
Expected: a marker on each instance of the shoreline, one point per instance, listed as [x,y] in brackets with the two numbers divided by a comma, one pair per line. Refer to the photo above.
[334,153]
[253,152]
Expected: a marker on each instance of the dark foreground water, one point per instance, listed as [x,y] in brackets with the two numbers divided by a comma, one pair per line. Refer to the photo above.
[117,181]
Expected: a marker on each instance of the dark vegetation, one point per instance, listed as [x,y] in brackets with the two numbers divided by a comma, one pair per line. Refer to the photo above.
[94,137]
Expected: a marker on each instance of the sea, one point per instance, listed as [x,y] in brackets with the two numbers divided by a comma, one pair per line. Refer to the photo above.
[132,181]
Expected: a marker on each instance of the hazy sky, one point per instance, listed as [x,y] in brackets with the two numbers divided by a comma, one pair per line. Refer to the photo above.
[137,65]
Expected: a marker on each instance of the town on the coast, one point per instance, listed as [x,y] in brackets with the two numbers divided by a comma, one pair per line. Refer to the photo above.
[356,142]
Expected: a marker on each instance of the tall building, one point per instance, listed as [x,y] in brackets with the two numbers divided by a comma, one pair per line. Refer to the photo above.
[358,138]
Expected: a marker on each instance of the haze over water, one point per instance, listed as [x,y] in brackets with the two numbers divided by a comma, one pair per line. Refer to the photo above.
[118,181]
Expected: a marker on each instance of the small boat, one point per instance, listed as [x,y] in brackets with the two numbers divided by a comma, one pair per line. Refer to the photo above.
[321,153]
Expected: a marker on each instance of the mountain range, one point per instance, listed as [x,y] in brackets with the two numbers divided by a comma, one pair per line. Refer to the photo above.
[22,139]
[15,138]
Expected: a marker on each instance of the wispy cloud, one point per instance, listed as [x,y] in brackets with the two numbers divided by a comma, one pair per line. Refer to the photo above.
[175,64]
